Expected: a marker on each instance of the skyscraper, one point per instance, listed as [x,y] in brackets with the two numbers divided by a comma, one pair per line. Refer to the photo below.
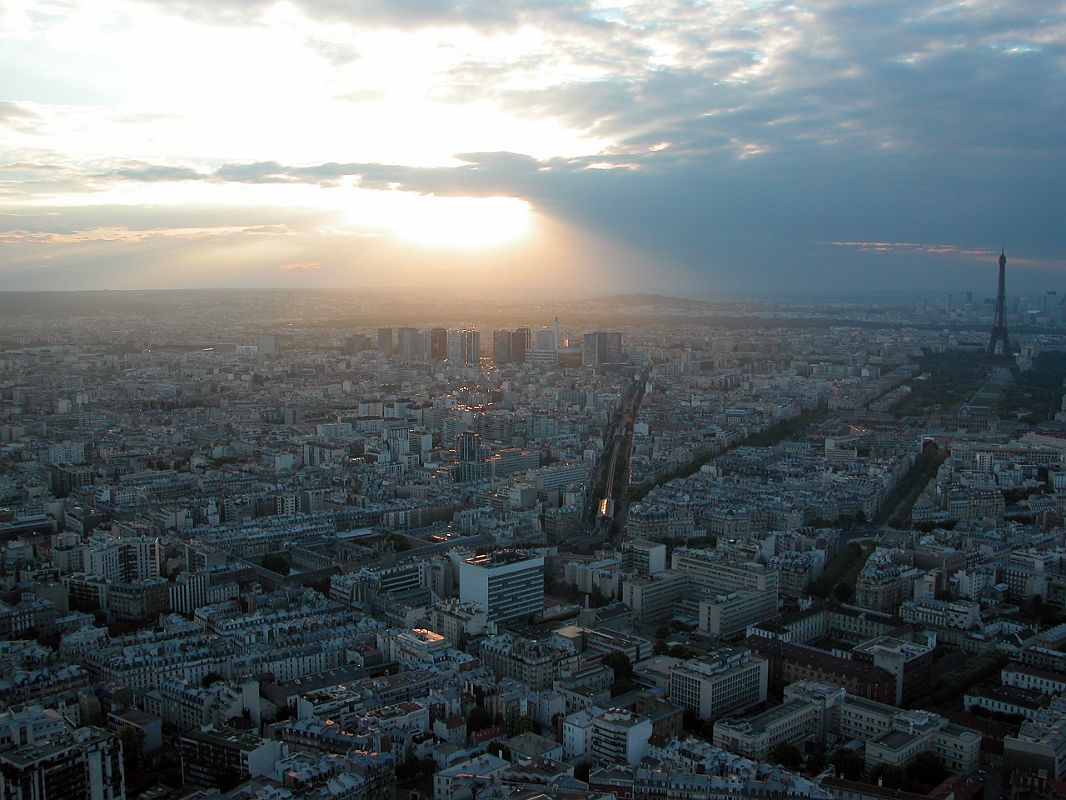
[438,344]
[385,340]
[520,342]
[501,347]
[464,347]
[405,342]
[469,447]
[471,347]
[601,347]
[999,342]
[455,348]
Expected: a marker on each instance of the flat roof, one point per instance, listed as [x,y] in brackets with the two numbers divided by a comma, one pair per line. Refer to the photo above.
[500,557]
[894,739]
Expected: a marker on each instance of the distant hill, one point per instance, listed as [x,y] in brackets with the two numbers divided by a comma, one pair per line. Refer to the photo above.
[74,304]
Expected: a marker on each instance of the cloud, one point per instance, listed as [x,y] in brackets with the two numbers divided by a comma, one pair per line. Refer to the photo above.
[983,255]
[122,234]
[17,117]
[479,174]
[917,247]
[151,173]
[300,266]
[400,14]
[11,110]
[798,138]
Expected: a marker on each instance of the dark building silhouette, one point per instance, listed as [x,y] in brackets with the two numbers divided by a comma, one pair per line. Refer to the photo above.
[438,344]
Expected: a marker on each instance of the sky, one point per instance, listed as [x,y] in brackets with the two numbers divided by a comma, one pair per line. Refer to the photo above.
[705,148]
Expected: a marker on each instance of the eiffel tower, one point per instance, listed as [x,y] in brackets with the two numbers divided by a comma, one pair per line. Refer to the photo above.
[999,347]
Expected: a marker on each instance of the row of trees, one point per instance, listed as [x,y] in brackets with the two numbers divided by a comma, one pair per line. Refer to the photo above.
[950,687]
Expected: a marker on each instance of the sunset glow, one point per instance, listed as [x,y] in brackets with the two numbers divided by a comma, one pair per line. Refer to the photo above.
[372,138]
[462,222]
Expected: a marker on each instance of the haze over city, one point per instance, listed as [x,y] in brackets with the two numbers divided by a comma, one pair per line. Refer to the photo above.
[708,148]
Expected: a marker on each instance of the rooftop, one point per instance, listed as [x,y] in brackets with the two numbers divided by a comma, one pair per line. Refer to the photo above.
[499,558]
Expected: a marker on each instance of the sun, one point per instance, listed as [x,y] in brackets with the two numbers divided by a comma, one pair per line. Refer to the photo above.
[462,223]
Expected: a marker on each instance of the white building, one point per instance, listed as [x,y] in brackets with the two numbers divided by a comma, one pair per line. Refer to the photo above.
[29,724]
[726,682]
[1022,676]
[464,780]
[793,721]
[960,614]
[506,583]
[577,733]
[646,558]
[727,615]
[620,737]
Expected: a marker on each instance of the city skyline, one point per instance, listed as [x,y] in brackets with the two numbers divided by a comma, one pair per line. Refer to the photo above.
[731,149]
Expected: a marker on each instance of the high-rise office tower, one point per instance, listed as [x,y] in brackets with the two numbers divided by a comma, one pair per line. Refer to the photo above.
[464,347]
[357,343]
[420,348]
[601,347]
[1049,302]
[471,347]
[545,352]
[471,457]
[501,347]
[468,445]
[520,342]
[455,347]
[385,340]
[406,342]
[438,344]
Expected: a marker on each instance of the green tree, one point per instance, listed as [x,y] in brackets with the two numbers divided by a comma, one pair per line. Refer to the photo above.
[820,587]
[847,763]
[661,648]
[478,720]
[926,770]
[399,543]
[524,724]
[619,664]
[132,739]
[842,592]
[211,678]
[682,651]
[276,562]
[889,776]
[787,755]
[815,763]
[408,769]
